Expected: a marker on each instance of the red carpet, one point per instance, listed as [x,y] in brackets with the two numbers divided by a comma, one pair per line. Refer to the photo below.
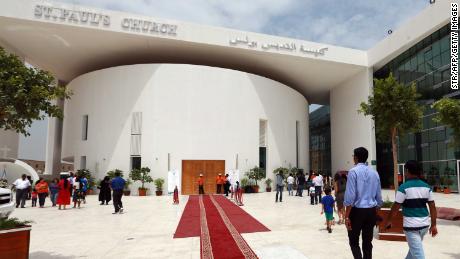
[242,221]
[189,224]
[219,238]
[448,213]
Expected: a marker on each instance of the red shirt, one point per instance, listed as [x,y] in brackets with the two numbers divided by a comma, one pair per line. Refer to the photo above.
[219,180]
[42,187]
[200,181]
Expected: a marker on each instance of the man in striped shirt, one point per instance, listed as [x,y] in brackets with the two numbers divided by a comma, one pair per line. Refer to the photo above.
[414,195]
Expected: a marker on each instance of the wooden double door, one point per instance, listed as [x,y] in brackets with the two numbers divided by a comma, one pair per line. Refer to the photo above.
[191,170]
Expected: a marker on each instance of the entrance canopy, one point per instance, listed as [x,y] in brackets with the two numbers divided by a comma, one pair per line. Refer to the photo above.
[70,40]
[13,170]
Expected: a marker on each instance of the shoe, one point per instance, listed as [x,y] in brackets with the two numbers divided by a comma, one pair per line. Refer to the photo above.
[329,230]
[101,204]
[17,206]
[121,210]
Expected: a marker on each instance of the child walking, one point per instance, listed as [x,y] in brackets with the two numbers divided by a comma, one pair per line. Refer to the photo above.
[328,208]
[176,196]
[76,198]
[34,198]
[312,195]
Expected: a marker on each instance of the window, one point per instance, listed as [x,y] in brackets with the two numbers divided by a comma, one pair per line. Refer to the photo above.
[136,133]
[263,144]
[135,162]
[83,162]
[263,158]
[262,133]
[297,144]
[85,127]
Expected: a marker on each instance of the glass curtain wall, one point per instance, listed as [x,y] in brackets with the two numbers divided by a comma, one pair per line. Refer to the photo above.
[427,64]
[320,140]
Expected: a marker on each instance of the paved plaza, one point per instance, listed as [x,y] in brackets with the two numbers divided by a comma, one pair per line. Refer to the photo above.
[146,231]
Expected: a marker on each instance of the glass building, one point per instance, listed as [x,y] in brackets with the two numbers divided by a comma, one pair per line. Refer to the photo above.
[427,64]
[320,140]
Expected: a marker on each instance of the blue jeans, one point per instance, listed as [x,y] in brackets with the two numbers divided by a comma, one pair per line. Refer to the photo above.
[414,240]
[290,192]
[53,198]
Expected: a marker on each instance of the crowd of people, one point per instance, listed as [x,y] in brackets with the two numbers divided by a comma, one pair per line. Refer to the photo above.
[70,188]
[358,198]
[60,191]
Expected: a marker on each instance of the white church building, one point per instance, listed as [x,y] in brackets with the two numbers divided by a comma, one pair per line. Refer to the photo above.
[177,96]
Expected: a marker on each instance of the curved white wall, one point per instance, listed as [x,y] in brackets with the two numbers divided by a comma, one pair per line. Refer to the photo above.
[191,112]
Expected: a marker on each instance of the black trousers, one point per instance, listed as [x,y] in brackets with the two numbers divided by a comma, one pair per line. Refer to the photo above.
[226,188]
[41,199]
[200,189]
[318,191]
[362,222]
[219,188]
[312,198]
[21,195]
[117,204]
[300,190]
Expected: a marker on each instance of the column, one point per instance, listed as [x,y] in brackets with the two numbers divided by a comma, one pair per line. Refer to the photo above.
[350,129]
[54,142]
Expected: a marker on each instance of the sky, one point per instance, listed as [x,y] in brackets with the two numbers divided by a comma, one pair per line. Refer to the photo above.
[358,24]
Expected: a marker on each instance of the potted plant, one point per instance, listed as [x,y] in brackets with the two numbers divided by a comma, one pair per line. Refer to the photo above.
[395,233]
[268,183]
[442,182]
[448,181]
[141,175]
[159,186]
[256,174]
[244,184]
[15,238]
[126,190]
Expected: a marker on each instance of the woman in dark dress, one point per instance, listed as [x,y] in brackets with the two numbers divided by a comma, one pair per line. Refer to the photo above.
[340,184]
[104,194]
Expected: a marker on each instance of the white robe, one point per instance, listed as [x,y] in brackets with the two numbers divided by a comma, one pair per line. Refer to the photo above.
[174,180]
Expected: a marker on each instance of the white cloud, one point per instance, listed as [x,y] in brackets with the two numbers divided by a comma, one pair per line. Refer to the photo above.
[350,23]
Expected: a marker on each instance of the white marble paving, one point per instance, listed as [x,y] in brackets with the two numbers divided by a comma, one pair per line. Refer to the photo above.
[147,227]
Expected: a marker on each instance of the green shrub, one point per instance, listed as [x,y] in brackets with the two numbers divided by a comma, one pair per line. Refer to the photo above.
[141,175]
[7,223]
[159,184]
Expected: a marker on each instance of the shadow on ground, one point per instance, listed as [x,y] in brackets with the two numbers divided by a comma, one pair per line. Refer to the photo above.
[47,255]
[452,255]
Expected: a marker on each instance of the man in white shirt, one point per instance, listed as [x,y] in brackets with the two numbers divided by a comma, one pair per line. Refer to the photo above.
[290,183]
[71,179]
[318,182]
[22,186]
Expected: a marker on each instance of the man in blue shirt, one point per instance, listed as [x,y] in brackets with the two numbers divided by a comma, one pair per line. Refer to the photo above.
[363,197]
[117,185]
